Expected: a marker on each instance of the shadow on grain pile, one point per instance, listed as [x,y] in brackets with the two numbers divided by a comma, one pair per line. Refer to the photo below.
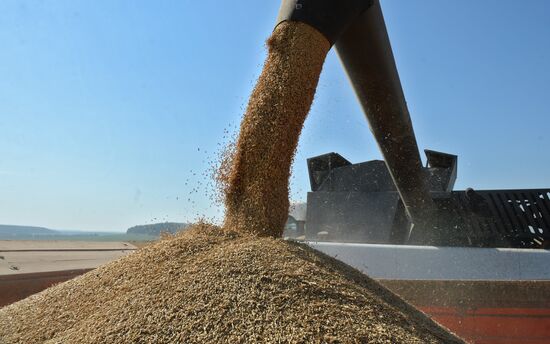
[242,283]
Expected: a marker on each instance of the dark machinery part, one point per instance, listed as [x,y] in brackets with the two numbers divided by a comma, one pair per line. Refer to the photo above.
[366,54]
[379,201]
[329,17]
[359,203]
[358,30]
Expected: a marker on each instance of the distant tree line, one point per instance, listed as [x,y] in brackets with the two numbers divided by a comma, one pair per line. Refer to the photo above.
[158,228]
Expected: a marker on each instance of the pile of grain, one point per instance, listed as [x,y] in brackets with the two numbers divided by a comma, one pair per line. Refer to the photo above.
[211,286]
[258,173]
[242,284]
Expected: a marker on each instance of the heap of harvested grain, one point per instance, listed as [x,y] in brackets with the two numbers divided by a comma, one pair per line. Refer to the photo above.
[242,283]
[211,286]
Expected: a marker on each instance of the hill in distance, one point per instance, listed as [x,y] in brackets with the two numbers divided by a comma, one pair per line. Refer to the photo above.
[157,228]
[13,230]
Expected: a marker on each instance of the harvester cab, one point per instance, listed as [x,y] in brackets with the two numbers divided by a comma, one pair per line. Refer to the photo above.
[398,200]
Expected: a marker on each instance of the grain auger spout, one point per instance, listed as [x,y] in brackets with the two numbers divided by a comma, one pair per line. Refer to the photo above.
[358,32]
[399,200]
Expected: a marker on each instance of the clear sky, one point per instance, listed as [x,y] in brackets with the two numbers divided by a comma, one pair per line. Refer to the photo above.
[111,110]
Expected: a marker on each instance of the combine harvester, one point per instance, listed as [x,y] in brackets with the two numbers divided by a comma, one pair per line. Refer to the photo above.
[476,261]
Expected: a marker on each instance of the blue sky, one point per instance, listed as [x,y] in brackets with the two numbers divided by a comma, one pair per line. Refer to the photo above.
[110,111]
